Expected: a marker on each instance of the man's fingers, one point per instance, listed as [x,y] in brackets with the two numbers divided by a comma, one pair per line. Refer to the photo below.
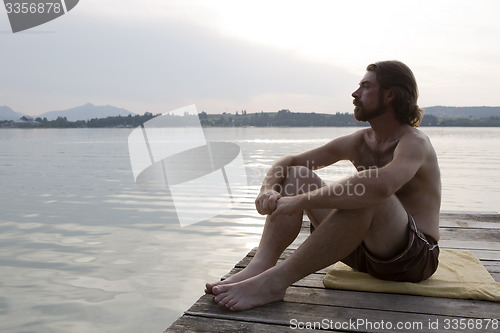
[273,202]
[260,209]
[260,204]
[276,211]
[266,204]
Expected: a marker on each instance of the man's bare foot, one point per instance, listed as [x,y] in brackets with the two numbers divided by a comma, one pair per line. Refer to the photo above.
[256,291]
[251,270]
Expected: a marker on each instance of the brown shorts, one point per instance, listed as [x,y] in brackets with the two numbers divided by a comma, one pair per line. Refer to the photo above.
[416,263]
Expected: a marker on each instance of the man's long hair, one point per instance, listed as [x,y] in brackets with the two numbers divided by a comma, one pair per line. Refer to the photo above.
[397,76]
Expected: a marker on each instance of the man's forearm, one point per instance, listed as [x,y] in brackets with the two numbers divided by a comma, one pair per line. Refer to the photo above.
[355,192]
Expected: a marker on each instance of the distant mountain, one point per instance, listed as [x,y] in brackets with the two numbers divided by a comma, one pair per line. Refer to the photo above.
[463,112]
[86,112]
[7,113]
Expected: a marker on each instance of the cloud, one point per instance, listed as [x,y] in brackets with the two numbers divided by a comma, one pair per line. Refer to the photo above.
[159,55]
[159,64]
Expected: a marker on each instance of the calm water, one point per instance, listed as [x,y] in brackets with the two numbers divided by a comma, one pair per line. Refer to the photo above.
[84,250]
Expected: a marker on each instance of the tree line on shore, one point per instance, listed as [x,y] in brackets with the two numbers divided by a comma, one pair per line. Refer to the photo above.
[283,118]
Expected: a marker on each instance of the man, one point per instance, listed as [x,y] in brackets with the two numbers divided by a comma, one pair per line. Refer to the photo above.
[383,220]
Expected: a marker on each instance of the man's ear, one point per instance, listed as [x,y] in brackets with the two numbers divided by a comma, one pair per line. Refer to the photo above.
[389,96]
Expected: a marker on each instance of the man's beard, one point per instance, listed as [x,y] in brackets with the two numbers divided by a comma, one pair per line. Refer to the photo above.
[362,114]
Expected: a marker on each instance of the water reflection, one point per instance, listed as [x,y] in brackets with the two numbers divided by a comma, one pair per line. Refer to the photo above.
[83,249]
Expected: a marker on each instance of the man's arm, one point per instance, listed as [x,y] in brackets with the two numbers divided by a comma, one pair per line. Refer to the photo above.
[367,187]
[332,152]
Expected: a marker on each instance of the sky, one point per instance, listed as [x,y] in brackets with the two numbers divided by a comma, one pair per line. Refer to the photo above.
[229,55]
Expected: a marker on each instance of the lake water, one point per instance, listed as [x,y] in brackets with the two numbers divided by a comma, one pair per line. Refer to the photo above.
[83,249]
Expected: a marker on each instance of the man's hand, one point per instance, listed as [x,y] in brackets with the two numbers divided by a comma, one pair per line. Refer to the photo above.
[266,202]
[287,206]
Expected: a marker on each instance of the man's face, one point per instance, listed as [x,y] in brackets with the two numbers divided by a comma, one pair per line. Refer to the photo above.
[368,98]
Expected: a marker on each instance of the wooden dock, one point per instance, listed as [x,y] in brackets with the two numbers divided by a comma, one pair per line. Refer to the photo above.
[310,307]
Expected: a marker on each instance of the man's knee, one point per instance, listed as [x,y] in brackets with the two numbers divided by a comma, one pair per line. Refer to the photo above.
[300,179]
[298,171]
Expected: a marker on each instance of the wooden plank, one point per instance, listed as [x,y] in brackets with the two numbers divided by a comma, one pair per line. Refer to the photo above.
[465,224]
[483,235]
[469,245]
[208,324]
[393,302]
[495,276]
[492,266]
[283,313]
[484,255]
[471,217]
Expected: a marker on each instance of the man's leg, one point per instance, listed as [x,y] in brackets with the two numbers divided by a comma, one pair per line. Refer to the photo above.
[281,232]
[383,228]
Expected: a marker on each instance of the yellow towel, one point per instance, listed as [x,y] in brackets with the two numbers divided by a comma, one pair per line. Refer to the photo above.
[459,275]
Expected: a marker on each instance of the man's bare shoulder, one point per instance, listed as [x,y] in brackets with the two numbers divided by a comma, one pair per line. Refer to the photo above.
[350,142]
[416,139]
[360,135]
[339,148]
[347,139]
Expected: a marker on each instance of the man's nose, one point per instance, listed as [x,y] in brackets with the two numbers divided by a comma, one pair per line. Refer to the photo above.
[355,93]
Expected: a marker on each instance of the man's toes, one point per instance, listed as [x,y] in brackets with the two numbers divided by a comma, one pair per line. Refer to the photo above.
[209,287]
[231,303]
[234,308]
[224,300]
[219,297]
[216,290]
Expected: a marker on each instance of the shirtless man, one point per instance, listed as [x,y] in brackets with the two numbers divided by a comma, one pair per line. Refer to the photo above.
[383,220]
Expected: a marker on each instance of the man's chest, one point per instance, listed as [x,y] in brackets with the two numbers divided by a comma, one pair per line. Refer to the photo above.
[371,155]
